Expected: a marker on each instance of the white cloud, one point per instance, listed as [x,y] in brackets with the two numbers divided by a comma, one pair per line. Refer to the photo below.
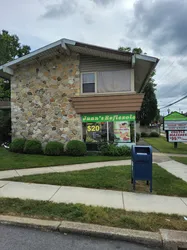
[155,26]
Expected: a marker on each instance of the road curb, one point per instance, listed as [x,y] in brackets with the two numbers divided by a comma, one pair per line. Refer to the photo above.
[134,236]
[173,239]
[169,239]
[30,222]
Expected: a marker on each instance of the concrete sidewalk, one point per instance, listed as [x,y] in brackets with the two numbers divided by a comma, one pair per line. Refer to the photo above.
[168,154]
[157,158]
[60,169]
[176,168]
[106,198]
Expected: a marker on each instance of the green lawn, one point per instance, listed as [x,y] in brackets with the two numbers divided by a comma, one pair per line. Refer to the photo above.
[114,177]
[163,146]
[9,160]
[180,159]
[89,214]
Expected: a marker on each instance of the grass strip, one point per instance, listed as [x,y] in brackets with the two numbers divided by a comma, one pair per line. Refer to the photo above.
[163,146]
[90,214]
[11,160]
[180,159]
[114,178]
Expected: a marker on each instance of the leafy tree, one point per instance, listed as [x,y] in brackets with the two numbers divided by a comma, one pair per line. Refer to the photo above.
[128,49]
[4,89]
[5,125]
[125,49]
[10,49]
[149,109]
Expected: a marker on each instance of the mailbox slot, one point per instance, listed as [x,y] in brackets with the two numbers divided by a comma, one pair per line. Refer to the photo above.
[142,150]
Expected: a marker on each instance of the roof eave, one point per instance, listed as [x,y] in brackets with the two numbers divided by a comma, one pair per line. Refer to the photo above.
[38,51]
[66,44]
[154,61]
[63,42]
[148,77]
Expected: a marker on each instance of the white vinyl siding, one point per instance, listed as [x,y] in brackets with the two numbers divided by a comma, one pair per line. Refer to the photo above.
[95,64]
[111,76]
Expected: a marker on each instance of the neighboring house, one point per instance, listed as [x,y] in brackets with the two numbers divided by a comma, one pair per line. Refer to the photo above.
[71,90]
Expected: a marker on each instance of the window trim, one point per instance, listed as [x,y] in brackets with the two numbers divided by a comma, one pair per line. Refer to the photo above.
[95,74]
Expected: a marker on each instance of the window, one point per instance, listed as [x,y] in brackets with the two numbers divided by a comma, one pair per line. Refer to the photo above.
[106,81]
[114,81]
[96,133]
[88,83]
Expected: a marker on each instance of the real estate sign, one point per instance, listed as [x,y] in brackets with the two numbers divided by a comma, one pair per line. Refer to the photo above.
[175,121]
[177,136]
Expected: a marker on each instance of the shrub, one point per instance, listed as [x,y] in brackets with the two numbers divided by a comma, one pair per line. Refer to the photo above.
[54,148]
[144,134]
[93,153]
[154,134]
[113,150]
[124,151]
[33,147]
[17,145]
[109,149]
[76,148]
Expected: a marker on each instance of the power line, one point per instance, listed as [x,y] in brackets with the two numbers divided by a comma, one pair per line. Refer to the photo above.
[174,102]
[173,88]
[171,65]
[162,76]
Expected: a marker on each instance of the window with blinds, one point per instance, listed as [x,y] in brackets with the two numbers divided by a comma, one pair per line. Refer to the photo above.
[114,81]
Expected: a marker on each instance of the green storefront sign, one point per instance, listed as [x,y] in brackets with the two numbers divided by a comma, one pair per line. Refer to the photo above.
[175,116]
[108,117]
[175,122]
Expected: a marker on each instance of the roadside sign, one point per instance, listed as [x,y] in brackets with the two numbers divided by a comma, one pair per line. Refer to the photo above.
[175,125]
[177,136]
[175,121]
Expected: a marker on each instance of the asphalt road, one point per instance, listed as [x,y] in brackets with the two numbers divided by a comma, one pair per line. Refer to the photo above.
[17,238]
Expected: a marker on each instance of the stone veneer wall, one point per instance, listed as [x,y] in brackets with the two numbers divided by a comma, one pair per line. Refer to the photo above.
[40,104]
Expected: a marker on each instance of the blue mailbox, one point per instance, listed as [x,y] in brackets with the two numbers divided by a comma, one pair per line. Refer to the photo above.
[141,165]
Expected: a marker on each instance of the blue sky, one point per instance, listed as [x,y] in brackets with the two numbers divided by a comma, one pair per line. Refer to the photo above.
[157,26]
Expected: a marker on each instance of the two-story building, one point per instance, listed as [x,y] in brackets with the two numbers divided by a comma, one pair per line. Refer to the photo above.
[71,90]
